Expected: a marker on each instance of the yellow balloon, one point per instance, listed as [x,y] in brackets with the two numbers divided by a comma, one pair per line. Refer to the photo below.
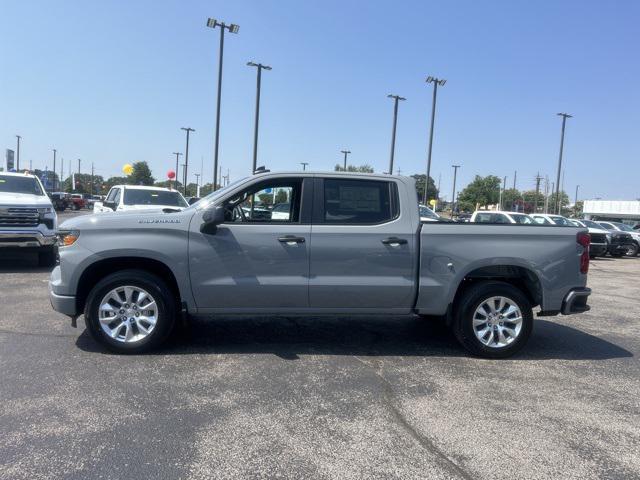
[432,202]
[127,169]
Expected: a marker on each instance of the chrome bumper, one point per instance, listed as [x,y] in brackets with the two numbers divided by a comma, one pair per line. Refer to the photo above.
[25,238]
[576,301]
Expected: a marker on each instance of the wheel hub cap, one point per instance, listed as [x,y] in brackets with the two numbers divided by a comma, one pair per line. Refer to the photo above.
[497,322]
[128,314]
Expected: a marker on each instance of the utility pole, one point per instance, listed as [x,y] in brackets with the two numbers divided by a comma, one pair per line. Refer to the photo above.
[436,82]
[259,68]
[18,154]
[576,197]
[346,152]
[557,199]
[54,169]
[175,179]
[186,157]
[61,173]
[515,175]
[233,28]
[504,187]
[304,165]
[197,175]
[91,190]
[538,178]
[453,194]
[396,99]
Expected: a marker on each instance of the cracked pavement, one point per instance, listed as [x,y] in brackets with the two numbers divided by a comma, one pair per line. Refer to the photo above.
[320,397]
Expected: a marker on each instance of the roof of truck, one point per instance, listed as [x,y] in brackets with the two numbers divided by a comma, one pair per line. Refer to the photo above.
[18,174]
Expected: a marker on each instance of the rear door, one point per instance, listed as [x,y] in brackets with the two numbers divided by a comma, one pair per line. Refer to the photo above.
[363,246]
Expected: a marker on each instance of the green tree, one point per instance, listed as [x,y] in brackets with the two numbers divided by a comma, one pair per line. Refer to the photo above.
[433,191]
[564,203]
[510,198]
[111,181]
[352,168]
[482,191]
[141,174]
[83,183]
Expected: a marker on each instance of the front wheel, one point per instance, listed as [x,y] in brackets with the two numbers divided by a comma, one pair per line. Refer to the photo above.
[493,319]
[130,311]
[632,250]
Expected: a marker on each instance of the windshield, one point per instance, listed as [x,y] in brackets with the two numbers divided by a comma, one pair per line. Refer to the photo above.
[592,224]
[153,197]
[427,212]
[221,191]
[13,184]
[624,227]
[523,219]
[558,220]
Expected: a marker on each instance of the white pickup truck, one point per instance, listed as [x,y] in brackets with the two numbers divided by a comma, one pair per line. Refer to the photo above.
[137,197]
[27,217]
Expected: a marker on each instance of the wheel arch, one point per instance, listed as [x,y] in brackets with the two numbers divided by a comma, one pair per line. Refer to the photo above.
[93,273]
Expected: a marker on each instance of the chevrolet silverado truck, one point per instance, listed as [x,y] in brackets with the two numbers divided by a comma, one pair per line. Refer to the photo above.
[27,218]
[349,244]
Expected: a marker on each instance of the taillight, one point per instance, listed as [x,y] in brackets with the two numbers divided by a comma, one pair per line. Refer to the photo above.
[584,239]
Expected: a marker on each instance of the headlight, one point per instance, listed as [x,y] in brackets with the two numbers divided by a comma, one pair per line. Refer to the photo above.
[44,210]
[66,238]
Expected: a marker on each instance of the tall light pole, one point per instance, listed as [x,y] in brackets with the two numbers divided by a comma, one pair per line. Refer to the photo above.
[62,173]
[175,179]
[453,194]
[197,175]
[304,165]
[436,82]
[504,187]
[346,152]
[396,99]
[18,154]
[54,169]
[576,197]
[557,199]
[186,157]
[259,68]
[233,28]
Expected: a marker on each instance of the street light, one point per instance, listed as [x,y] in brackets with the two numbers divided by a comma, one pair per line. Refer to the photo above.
[453,194]
[233,28]
[259,68]
[436,82]
[186,157]
[175,179]
[18,154]
[396,99]
[576,201]
[304,165]
[54,169]
[346,152]
[557,199]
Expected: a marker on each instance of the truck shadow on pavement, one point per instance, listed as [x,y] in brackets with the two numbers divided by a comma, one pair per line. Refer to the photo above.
[288,337]
[21,262]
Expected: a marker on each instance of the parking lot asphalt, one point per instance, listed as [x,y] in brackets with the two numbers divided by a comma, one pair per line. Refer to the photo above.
[320,397]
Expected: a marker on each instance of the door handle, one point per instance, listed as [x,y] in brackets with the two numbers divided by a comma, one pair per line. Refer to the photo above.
[394,241]
[291,239]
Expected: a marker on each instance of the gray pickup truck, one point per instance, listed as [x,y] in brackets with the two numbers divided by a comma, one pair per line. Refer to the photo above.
[342,244]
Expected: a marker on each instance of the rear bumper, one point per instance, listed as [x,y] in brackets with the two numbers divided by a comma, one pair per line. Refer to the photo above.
[576,301]
[25,239]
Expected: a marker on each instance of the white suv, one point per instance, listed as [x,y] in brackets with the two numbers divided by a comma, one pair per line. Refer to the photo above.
[135,197]
[495,216]
[27,217]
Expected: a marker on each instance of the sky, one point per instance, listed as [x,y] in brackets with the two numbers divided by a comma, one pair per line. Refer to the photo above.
[113,82]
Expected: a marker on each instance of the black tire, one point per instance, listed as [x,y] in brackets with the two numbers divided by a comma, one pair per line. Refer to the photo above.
[471,299]
[47,257]
[632,251]
[158,289]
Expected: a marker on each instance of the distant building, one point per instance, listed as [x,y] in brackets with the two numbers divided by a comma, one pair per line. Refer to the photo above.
[616,210]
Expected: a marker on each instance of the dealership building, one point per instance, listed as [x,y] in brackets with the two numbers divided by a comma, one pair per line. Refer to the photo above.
[615,210]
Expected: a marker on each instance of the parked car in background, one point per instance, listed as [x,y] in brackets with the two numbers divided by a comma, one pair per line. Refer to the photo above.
[428,215]
[491,216]
[463,217]
[28,220]
[550,219]
[78,202]
[90,200]
[192,200]
[360,247]
[634,246]
[600,238]
[60,200]
[136,197]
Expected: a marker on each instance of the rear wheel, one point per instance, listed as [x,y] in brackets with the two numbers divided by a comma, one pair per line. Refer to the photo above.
[632,250]
[493,319]
[130,311]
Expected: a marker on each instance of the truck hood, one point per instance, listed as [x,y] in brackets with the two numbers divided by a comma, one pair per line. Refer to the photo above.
[10,199]
[126,219]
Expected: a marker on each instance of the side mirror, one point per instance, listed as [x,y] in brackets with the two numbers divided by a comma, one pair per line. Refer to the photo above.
[111,205]
[211,218]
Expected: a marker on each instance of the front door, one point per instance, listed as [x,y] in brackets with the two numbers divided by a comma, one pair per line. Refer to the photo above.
[258,260]
[363,249]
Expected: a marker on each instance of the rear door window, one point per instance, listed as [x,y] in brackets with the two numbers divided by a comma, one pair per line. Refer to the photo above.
[359,201]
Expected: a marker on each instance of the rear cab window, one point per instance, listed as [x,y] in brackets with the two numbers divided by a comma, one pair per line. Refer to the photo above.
[359,202]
